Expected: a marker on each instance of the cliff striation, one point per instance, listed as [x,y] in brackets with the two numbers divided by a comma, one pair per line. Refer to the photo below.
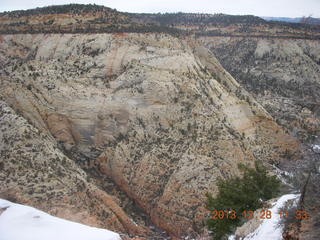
[156,114]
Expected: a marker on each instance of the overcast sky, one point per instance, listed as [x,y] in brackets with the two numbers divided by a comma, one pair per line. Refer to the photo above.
[273,8]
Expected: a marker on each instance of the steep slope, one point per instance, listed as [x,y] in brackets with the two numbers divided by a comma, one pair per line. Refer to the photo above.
[34,171]
[157,114]
[283,75]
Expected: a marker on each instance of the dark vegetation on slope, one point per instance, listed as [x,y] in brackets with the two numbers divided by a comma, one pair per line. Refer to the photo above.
[98,19]
[306,181]
[197,18]
[76,9]
[238,195]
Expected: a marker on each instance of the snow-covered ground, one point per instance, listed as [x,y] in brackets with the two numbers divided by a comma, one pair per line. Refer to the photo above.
[316,148]
[269,228]
[19,222]
[282,175]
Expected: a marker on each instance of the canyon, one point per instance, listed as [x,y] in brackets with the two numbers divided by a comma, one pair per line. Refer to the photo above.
[128,131]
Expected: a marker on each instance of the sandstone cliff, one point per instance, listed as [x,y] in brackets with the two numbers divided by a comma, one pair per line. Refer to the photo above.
[34,171]
[283,75]
[156,114]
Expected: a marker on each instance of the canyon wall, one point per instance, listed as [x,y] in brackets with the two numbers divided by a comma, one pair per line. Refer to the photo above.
[282,74]
[158,115]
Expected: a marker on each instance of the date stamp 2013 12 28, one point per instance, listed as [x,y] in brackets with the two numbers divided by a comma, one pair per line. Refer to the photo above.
[258,214]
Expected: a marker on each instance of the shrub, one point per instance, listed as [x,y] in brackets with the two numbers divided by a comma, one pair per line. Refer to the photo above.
[240,194]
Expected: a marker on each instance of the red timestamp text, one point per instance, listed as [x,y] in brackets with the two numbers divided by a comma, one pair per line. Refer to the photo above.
[232,214]
[258,214]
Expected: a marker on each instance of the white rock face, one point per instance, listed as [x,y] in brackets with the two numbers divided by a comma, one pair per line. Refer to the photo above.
[19,222]
[158,115]
[34,171]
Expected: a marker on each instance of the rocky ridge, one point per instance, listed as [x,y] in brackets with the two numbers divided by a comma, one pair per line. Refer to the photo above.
[283,75]
[77,18]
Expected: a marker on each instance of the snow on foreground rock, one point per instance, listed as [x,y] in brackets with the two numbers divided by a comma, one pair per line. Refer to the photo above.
[316,148]
[19,222]
[270,228]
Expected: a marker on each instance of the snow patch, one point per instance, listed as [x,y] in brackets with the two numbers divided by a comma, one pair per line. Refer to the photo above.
[316,148]
[270,228]
[22,222]
[282,175]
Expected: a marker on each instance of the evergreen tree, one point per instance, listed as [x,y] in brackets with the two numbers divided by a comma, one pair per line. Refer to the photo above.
[237,195]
